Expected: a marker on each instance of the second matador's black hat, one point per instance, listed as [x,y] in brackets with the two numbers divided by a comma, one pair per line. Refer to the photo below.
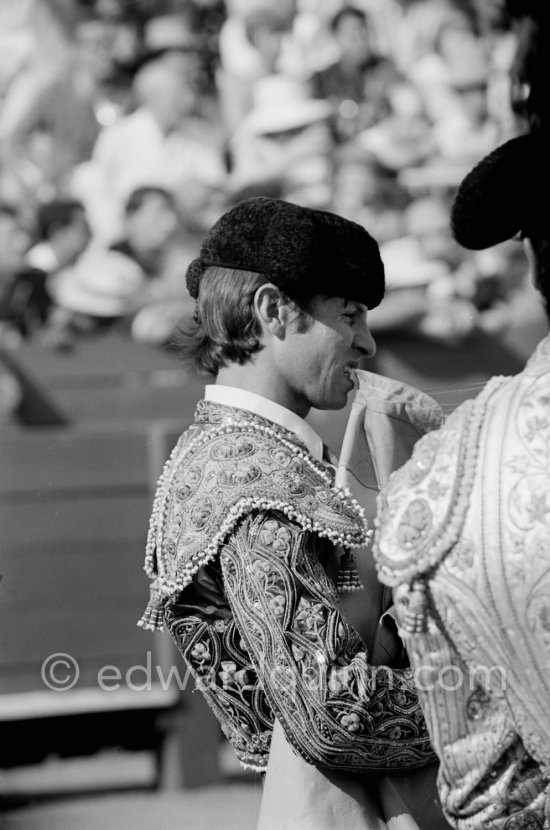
[500,196]
[301,250]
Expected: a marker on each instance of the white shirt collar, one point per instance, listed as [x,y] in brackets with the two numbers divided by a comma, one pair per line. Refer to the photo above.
[240,398]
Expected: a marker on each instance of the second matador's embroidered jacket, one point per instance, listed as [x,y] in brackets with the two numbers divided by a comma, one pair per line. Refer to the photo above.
[242,554]
[464,540]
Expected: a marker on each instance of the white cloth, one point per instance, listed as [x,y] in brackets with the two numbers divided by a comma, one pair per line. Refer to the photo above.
[300,796]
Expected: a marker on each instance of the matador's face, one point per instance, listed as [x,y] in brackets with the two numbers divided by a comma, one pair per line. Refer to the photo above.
[319,364]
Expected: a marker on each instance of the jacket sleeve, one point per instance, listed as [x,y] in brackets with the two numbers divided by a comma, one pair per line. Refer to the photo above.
[337,710]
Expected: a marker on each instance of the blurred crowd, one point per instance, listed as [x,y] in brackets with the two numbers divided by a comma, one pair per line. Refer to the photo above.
[128,126]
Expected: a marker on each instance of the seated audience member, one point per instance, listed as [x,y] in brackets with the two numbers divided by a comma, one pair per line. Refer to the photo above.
[161,143]
[24,301]
[404,137]
[366,194]
[359,82]
[422,28]
[95,295]
[135,284]
[64,234]
[255,41]
[54,107]
[284,147]
[47,121]
[464,541]
[205,19]
[468,131]
[154,238]
[151,226]
[424,297]
[369,168]
[311,29]
[437,44]
[438,291]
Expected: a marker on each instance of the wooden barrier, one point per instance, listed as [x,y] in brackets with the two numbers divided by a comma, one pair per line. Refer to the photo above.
[74,506]
[75,497]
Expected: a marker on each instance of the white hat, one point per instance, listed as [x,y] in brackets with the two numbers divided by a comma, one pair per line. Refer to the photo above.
[102,284]
[248,8]
[407,266]
[168,31]
[281,104]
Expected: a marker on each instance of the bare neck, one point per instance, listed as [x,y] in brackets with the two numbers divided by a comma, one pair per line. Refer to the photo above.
[262,378]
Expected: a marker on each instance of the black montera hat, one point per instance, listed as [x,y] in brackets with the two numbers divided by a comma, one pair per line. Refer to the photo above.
[301,250]
[498,198]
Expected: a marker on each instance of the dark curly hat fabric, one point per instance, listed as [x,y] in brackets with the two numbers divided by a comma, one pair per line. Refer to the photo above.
[498,198]
[301,250]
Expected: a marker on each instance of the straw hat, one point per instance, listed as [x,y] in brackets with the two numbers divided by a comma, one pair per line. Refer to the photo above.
[168,31]
[281,104]
[102,285]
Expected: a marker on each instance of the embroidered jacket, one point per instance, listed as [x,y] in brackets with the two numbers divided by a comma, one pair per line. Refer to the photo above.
[464,539]
[242,551]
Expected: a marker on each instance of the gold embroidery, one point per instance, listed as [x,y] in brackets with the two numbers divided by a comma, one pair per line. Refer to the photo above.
[310,662]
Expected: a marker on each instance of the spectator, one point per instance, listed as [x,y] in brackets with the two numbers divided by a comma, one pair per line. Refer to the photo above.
[440,49]
[95,295]
[158,144]
[312,31]
[206,18]
[154,239]
[422,27]
[256,40]
[422,298]
[454,83]
[368,187]
[284,147]
[404,137]
[108,46]
[24,301]
[64,235]
[471,131]
[151,223]
[54,108]
[357,84]
[134,286]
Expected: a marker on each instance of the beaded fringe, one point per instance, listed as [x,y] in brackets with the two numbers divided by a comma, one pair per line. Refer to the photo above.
[414,619]
[347,579]
[153,618]
[159,567]
[252,767]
